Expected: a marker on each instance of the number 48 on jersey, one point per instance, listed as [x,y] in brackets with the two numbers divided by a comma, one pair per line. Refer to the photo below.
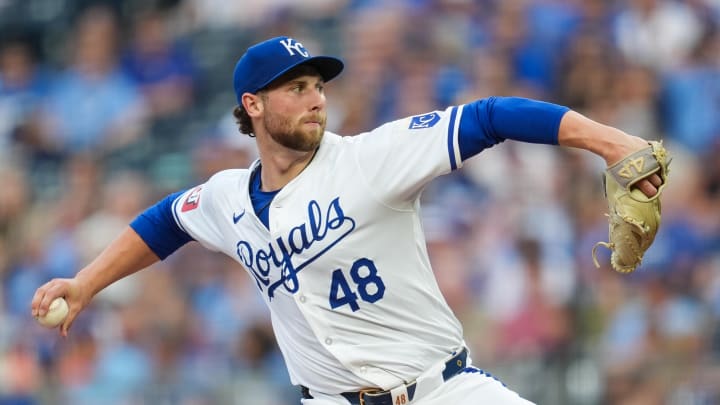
[365,281]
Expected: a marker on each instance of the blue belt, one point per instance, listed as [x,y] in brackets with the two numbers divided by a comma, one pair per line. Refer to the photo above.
[374,397]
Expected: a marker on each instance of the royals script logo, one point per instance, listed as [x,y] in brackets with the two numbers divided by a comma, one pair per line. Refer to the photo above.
[323,229]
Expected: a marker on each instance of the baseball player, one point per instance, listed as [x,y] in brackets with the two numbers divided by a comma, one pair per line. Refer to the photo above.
[329,229]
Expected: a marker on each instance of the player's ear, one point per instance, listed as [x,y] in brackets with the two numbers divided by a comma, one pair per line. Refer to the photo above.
[253,104]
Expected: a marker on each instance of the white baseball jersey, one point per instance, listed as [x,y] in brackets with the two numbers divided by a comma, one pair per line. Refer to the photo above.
[343,264]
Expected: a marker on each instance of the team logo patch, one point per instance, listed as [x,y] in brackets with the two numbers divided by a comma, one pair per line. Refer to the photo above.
[424,121]
[192,200]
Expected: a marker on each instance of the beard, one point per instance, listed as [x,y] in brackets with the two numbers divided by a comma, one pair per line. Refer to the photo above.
[294,135]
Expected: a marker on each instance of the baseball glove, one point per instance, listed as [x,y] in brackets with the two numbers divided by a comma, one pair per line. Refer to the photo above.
[634,217]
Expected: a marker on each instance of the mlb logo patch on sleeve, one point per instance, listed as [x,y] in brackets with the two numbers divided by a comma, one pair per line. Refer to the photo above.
[192,200]
[424,121]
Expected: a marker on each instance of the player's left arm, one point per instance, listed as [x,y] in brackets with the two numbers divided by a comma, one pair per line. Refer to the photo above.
[610,143]
[487,122]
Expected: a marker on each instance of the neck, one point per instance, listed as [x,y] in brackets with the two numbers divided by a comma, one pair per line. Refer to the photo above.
[279,167]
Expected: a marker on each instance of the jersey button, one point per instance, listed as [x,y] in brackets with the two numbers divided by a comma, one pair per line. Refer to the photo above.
[328,341]
[363,369]
[302,298]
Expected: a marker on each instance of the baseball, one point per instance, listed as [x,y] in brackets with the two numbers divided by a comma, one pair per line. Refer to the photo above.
[56,314]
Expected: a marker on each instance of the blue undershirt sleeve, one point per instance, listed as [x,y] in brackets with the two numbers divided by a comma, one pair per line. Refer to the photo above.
[489,121]
[157,227]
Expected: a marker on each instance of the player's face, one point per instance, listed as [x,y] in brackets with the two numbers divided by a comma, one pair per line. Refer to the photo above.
[294,112]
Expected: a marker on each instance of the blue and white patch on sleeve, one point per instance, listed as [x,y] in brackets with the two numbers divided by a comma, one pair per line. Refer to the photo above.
[424,121]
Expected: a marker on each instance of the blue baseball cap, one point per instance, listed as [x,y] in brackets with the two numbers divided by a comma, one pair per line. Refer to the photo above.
[266,61]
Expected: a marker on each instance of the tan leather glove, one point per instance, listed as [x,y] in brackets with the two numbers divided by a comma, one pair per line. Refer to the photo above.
[634,218]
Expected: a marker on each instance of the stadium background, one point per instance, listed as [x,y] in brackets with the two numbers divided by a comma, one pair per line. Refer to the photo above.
[105,107]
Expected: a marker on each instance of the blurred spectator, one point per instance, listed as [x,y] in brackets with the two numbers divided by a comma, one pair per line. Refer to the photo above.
[121,197]
[657,34]
[372,58]
[93,106]
[636,90]
[224,147]
[252,13]
[540,326]
[658,333]
[162,67]
[20,376]
[586,71]
[550,25]
[690,96]
[14,200]
[23,85]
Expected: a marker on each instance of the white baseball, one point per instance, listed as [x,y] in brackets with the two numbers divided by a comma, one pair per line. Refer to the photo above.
[56,314]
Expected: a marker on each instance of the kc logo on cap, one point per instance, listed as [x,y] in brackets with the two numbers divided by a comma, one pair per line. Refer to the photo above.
[293,46]
[266,61]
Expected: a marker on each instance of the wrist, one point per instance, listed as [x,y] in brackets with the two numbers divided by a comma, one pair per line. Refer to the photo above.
[85,286]
[609,143]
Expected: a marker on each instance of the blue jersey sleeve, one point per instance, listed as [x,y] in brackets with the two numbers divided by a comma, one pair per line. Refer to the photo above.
[489,121]
[157,227]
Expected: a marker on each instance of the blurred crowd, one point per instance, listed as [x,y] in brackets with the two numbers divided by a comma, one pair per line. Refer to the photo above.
[107,106]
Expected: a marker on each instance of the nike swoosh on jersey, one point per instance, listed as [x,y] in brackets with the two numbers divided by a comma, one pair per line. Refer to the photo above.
[236,217]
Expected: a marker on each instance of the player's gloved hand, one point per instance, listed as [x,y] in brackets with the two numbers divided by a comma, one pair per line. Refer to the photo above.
[633,187]
[629,145]
[69,288]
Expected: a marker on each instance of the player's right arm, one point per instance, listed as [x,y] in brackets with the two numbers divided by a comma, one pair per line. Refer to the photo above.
[152,236]
[124,256]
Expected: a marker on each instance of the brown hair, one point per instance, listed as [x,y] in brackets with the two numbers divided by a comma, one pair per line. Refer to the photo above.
[243,120]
